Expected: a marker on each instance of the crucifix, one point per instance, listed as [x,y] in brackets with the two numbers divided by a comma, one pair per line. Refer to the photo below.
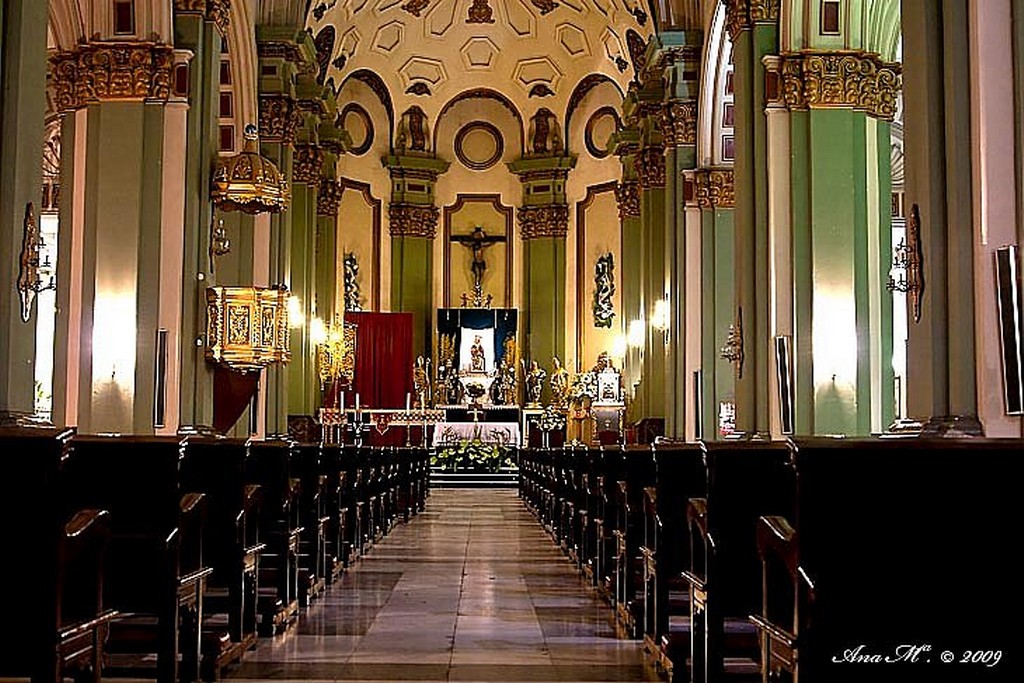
[477,241]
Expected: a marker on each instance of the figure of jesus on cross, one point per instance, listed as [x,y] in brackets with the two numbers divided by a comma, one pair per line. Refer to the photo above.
[477,241]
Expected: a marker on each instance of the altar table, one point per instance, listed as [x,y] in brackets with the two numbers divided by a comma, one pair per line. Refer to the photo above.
[503,433]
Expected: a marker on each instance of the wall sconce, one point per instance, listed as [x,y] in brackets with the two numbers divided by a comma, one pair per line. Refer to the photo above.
[908,261]
[619,347]
[636,334]
[296,318]
[30,272]
[732,351]
[661,317]
[317,332]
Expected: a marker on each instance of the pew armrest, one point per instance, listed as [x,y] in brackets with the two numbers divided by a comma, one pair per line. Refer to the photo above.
[85,522]
[253,497]
[192,503]
[772,631]
[776,536]
[696,582]
[697,515]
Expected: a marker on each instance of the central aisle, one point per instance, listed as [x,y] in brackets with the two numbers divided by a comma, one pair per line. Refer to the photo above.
[472,589]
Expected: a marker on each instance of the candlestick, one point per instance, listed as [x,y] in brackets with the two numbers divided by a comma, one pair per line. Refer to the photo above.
[357,401]
[408,404]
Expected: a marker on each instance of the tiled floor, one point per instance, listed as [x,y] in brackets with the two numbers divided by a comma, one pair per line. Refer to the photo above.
[470,590]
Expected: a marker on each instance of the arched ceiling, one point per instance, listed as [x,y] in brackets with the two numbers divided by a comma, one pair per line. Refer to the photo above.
[534,52]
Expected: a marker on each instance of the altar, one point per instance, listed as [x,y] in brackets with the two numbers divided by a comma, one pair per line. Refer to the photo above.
[498,433]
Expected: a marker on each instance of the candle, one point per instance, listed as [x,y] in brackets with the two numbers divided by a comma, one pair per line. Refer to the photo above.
[343,402]
[357,400]
[407,401]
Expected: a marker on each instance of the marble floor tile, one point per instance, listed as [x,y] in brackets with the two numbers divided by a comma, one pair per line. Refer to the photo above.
[471,590]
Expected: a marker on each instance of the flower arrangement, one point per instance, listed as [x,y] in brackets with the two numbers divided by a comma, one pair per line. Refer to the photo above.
[473,455]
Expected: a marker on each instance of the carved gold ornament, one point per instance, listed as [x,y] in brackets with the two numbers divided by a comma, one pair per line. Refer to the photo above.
[96,72]
[216,11]
[741,15]
[714,188]
[248,182]
[413,220]
[842,80]
[546,220]
[247,327]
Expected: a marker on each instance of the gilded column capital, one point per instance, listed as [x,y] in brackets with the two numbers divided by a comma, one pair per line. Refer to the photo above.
[413,220]
[841,80]
[627,198]
[679,123]
[650,167]
[543,220]
[714,188]
[306,164]
[328,198]
[98,72]
[741,15]
[216,11]
[279,118]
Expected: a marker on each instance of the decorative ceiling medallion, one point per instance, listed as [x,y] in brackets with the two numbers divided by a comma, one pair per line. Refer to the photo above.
[544,6]
[414,7]
[248,182]
[479,145]
[357,123]
[600,126]
[541,90]
[480,12]
[418,88]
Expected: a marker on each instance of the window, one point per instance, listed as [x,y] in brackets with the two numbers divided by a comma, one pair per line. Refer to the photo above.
[124,17]
[830,17]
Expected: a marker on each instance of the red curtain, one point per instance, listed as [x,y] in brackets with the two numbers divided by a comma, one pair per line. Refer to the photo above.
[383,359]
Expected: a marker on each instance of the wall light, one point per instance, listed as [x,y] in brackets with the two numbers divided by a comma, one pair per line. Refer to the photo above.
[296,318]
[636,334]
[661,315]
[619,347]
[317,331]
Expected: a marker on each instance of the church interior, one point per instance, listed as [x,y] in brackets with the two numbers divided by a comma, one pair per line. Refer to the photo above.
[511,340]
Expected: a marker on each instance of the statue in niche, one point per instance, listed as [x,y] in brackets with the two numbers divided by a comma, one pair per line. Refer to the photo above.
[604,290]
[507,376]
[535,377]
[559,383]
[477,361]
[421,382]
[353,297]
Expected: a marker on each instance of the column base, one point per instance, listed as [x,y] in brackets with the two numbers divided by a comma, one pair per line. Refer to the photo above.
[18,419]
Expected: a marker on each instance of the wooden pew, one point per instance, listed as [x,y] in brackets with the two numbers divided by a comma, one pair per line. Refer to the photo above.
[314,520]
[155,574]
[216,467]
[613,466]
[679,473]
[271,466]
[336,508]
[638,473]
[894,544]
[59,629]
[744,480]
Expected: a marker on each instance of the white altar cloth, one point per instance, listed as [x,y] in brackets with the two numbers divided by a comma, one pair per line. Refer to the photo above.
[504,433]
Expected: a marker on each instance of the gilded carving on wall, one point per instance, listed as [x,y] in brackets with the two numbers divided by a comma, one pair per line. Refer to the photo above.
[715,188]
[414,7]
[216,11]
[546,220]
[328,197]
[604,290]
[97,72]
[650,167]
[353,295]
[28,271]
[279,118]
[741,15]
[306,164]
[544,6]
[679,123]
[846,80]
[627,197]
[413,220]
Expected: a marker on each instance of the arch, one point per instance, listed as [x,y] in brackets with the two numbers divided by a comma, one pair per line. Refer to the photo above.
[380,89]
[882,28]
[482,93]
[717,48]
[66,25]
[586,84]
[241,40]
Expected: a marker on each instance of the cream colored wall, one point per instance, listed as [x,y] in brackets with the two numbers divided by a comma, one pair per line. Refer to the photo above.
[602,229]
[602,235]
[366,168]
[356,235]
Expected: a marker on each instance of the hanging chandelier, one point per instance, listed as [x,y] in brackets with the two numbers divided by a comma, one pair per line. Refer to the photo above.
[249,182]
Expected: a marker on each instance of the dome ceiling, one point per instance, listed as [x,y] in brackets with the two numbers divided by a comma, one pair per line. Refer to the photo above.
[535,52]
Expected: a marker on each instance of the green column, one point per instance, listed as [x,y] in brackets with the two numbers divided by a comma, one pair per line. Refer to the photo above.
[627,196]
[751,42]
[193,32]
[413,223]
[544,224]
[23,78]
[303,384]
